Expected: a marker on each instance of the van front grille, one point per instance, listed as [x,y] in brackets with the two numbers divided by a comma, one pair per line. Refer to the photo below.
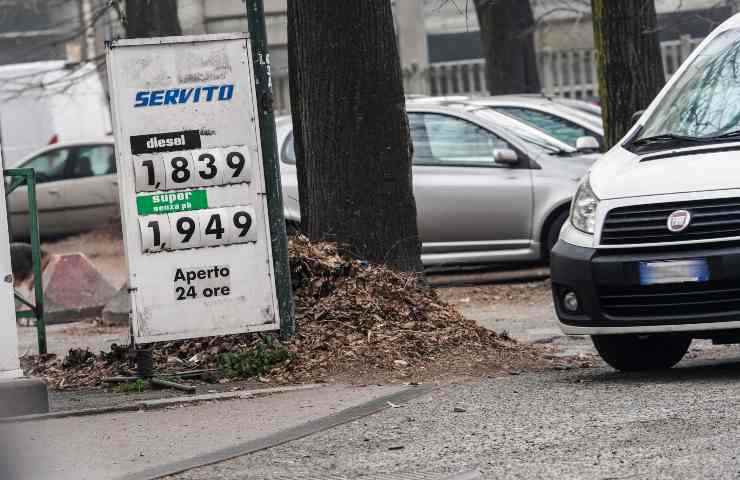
[665,301]
[644,224]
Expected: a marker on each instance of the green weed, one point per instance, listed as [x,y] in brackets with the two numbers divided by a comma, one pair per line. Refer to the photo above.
[131,387]
[255,362]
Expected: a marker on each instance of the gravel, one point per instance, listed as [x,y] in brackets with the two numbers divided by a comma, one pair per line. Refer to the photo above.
[578,424]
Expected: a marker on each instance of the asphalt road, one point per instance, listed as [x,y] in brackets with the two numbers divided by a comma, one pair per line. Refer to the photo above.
[578,424]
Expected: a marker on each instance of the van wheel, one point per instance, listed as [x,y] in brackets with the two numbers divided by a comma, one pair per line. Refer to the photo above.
[634,353]
[553,233]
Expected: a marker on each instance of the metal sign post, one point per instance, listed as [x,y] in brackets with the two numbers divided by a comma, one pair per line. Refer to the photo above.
[263,81]
[200,199]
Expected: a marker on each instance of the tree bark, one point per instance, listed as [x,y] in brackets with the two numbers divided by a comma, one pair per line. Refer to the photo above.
[353,148]
[152,18]
[507,37]
[630,66]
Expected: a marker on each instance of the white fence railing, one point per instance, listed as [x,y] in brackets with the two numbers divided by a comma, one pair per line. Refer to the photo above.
[568,73]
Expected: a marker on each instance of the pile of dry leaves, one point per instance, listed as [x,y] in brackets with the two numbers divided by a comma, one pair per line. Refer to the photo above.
[367,320]
[355,321]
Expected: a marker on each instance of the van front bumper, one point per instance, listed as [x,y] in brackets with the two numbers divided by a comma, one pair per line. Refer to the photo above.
[611,299]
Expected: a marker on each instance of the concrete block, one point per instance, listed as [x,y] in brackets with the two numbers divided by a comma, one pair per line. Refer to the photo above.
[74,288]
[23,396]
[116,311]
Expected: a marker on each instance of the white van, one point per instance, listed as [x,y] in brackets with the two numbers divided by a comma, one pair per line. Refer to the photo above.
[49,102]
[650,258]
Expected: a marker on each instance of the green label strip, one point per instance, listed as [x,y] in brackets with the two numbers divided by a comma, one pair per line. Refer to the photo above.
[170,202]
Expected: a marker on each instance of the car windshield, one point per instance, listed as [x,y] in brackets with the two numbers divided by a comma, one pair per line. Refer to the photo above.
[704,104]
[538,143]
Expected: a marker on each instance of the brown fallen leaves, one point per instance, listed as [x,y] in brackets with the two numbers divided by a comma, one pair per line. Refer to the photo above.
[356,322]
[356,317]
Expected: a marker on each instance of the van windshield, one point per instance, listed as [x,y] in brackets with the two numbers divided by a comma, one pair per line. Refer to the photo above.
[704,104]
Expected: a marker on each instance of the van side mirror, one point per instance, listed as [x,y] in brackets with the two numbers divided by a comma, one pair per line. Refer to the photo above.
[587,144]
[636,116]
[505,157]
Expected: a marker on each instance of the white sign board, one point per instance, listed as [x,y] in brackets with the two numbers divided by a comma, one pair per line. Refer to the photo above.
[9,364]
[192,187]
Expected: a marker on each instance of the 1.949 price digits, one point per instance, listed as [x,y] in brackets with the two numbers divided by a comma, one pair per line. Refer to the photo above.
[196,168]
[204,228]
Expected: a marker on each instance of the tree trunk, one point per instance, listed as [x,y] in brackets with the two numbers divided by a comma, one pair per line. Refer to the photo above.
[353,149]
[630,66]
[507,38]
[152,18]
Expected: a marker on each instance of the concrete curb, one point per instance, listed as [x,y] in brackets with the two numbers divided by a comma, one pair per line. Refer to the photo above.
[158,403]
[285,436]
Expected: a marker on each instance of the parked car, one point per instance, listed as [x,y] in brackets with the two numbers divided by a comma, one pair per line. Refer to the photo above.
[553,117]
[649,259]
[77,189]
[590,107]
[487,188]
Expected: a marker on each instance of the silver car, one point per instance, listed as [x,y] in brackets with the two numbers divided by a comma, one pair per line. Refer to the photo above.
[552,117]
[487,189]
[77,189]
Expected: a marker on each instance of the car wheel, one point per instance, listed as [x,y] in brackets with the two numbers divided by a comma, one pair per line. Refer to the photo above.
[553,233]
[634,353]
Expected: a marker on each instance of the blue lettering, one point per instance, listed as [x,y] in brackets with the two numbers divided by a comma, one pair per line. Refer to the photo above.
[226,92]
[209,93]
[156,98]
[170,97]
[185,95]
[142,99]
[176,96]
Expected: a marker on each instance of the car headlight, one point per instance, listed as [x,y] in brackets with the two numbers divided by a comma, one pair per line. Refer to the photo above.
[583,213]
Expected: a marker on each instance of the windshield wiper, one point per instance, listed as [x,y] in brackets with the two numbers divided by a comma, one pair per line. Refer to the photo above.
[666,138]
[725,136]
[664,141]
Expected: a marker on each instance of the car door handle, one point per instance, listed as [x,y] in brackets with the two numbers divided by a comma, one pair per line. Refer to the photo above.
[54,192]
[114,183]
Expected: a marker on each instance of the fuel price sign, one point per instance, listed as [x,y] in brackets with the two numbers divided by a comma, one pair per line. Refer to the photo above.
[192,187]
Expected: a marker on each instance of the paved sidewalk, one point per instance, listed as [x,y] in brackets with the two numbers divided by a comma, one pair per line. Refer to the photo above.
[113,445]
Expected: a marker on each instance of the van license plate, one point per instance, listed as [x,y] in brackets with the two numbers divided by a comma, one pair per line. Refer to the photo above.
[674,271]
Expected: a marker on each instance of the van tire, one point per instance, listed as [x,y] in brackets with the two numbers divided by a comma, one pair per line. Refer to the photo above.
[553,233]
[635,353]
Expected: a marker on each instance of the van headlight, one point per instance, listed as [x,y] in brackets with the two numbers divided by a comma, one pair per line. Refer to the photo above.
[583,213]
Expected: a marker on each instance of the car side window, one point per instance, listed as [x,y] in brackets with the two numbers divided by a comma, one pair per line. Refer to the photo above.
[558,127]
[94,160]
[441,139]
[50,166]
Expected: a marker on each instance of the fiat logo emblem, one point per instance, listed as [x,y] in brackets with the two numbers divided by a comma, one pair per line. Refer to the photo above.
[679,221]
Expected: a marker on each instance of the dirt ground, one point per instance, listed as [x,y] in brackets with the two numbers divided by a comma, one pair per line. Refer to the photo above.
[522,310]
[519,309]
